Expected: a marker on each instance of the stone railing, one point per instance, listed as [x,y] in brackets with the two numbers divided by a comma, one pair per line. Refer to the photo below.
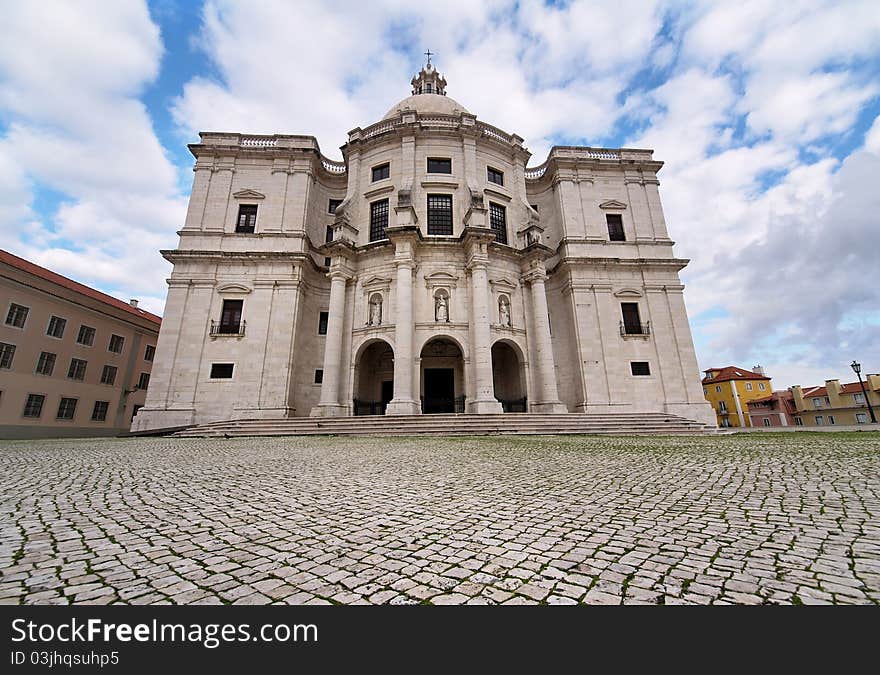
[376,129]
[535,173]
[258,142]
[492,132]
[333,167]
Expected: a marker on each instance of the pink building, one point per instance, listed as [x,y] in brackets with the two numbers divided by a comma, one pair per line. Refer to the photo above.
[776,410]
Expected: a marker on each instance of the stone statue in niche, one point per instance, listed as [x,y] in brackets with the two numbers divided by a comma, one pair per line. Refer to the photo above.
[441,308]
[376,310]
[504,311]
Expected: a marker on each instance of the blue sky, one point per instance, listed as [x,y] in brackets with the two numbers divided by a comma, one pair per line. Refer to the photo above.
[766,115]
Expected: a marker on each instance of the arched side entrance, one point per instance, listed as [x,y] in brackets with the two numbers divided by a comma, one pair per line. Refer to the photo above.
[373,378]
[442,377]
[508,377]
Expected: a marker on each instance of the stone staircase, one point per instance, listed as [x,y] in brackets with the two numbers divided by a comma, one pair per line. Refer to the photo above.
[623,423]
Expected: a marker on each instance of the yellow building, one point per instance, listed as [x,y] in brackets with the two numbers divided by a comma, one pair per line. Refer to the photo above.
[836,404]
[729,391]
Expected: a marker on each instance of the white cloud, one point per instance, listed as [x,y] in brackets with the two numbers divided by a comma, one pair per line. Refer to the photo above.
[71,74]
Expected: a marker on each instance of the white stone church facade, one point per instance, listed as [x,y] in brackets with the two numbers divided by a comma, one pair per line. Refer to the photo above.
[428,272]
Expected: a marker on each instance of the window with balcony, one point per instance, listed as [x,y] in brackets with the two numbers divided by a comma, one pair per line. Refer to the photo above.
[498,221]
[632,322]
[99,412]
[381,172]
[378,220]
[247,219]
[86,336]
[440,215]
[108,375]
[17,315]
[117,343]
[615,227]
[33,407]
[494,176]
[7,354]
[230,319]
[46,363]
[77,370]
[66,408]
[56,327]
[439,165]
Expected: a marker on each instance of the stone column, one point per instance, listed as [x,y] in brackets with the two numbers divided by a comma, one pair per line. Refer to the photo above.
[329,403]
[481,350]
[549,396]
[403,402]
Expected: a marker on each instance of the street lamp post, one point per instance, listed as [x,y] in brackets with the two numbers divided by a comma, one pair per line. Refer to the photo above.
[857,367]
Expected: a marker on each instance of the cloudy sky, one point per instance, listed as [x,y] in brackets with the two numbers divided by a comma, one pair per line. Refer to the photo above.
[766,114]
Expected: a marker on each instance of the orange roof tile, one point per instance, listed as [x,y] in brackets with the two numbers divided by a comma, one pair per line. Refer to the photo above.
[70,284]
[732,373]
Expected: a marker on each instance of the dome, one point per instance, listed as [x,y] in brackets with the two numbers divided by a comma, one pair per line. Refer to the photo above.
[427,103]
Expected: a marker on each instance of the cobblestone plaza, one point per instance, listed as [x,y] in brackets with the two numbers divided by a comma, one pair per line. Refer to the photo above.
[777,518]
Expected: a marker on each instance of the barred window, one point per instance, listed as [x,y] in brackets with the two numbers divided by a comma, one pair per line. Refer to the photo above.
[108,376]
[7,352]
[99,412]
[17,315]
[67,408]
[247,218]
[440,214]
[378,219]
[33,407]
[86,336]
[56,327]
[615,227]
[77,370]
[46,363]
[498,222]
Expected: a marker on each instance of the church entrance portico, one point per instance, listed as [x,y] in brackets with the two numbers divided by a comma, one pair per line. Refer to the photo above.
[442,377]
[508,377]
[373,378]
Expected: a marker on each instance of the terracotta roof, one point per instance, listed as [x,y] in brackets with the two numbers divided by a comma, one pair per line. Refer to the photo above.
[849,388]
[732,373]
[70,284]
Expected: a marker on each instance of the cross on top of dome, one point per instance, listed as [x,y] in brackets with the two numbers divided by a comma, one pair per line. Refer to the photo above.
[428,80]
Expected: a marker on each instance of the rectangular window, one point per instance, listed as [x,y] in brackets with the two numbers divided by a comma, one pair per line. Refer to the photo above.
[718,388]
[861,418]
[440,214]
[332,204]
[705,391]
[116,344]
[632,322]
[108,375]
[830,419]
[820,420]
[439,165]
[221,371]
[319,376]
[761,386]
[378,219]
[494,176]
[328,235]
[859,398]
[230,317]
[77,370]
[766,421]
[33,407]
[498,222]
[817,402]
[86,336]
[615,227]
[17,315]
[722,406]
[143,381]
[640,368]
[327,262]
[7,353]
[46,363]
[99,412]
[798,421]
[381,172]
[323,319]
[149,353]
[56,327]
[66,409]
[247,218]
[748,386]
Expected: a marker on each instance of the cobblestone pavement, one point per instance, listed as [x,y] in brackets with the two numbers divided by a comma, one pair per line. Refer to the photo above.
[510,520]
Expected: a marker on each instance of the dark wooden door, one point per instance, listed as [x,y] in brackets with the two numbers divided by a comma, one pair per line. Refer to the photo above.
[439,390]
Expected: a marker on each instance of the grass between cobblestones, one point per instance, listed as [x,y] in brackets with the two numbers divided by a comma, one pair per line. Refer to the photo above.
[789,518]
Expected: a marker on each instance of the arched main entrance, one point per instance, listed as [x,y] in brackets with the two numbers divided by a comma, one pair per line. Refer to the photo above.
[508,377]
[374,378]
[442,377]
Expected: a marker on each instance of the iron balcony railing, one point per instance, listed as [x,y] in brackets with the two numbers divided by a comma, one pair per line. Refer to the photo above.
[635,328]
[228,329]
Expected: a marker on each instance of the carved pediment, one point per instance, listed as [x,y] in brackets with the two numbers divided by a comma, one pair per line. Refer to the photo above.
[612,204]
[502,285]
[436,279]
[627,293]
[248,194]
[233,288]
[376,283]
